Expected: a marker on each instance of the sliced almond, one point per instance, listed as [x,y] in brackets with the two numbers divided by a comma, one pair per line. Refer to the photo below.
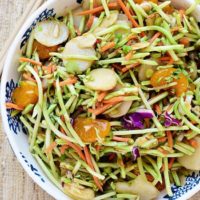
[101,79]
[72,48]
[51,33]
[121,110]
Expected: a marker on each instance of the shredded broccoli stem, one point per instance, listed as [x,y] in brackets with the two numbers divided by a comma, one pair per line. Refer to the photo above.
[150,130]
[105,196]
[65,120]
[166,176]
[155,28]
[112,29]
[40,103]
[47,171]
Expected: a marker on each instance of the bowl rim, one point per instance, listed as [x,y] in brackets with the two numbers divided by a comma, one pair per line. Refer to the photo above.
[5,126]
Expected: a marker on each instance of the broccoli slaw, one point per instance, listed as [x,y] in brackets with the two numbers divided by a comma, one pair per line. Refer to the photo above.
[110,97]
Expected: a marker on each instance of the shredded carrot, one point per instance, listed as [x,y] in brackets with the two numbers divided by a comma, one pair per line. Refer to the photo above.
[157,35]
[117,66]
[164,58]
[150,178]
[47,69]
[120,139]
[98,183]
[98,9]
[170,139]
[77,149]
[163,151]
[10,105]
[171,61]
[90,21]
[128,67]
[50,148]
[160,43]
[22,59]
[182,13]
[114,100]
[158,109]
[162,139]
[147,122]
[162,168]
[112,156]
[28,77]
[89,162]
[101,109]
[193,143]
[101,96]
[97,147]
[171,162]
[50,68]
[107,46]
[63,148]
[88,158]
[194,122]
[53,68]
[69,81]
[185,41]
[62,118]
[129,55]
[128,14]
[62,130]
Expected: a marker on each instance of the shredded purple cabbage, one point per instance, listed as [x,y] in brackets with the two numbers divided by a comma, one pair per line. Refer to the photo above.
[136,120]
[133,121]
[169,120]
[135,153]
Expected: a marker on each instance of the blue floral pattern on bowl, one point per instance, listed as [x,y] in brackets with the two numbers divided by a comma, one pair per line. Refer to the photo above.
[14,122]
[47,13]
[191,181]
[33,169]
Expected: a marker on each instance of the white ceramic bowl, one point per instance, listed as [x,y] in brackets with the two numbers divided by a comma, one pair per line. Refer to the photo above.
[14,128]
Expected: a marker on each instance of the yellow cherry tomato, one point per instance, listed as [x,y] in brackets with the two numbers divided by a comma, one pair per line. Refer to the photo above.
[90,129]
[164,76]
[26,93]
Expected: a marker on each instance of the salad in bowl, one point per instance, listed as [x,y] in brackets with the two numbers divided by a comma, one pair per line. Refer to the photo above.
[109,94]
